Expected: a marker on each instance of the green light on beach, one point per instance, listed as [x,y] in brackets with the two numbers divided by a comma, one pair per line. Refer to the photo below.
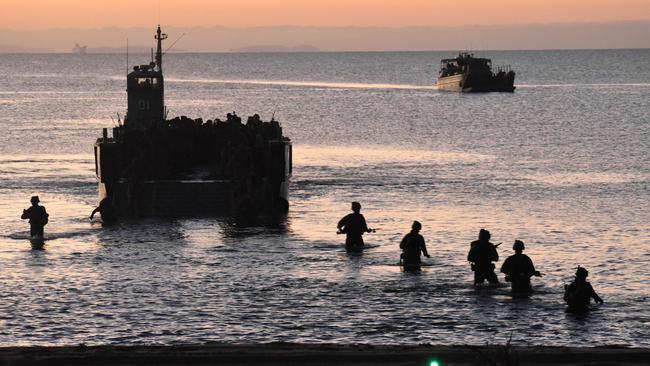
[434,363]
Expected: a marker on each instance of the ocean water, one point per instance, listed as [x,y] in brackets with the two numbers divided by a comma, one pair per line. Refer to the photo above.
[562,164]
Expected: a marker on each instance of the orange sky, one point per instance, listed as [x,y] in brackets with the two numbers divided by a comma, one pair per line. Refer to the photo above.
[44,14]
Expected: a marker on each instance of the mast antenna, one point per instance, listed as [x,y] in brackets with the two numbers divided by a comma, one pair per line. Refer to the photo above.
[172,45]
[159,38]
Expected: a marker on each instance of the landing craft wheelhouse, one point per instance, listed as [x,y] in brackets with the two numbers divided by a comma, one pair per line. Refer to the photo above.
[466,73]
[152,166]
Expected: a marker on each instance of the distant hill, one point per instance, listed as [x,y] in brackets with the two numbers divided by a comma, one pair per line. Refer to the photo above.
[275,48]
[625,34]
[7,48]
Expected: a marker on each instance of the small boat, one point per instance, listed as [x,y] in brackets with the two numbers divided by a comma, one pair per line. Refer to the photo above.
[466,73]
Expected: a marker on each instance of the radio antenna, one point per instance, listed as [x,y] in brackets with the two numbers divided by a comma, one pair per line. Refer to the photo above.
[172,45]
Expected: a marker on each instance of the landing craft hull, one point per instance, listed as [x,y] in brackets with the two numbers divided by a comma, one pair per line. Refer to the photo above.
[467,83]
[193,197]
[451,83]
[169,198]
[182,198]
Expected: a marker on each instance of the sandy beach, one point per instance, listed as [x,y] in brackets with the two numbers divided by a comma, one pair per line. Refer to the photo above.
[322,354]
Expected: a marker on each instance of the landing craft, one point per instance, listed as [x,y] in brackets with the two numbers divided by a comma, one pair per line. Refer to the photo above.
[466,73]
[154,166]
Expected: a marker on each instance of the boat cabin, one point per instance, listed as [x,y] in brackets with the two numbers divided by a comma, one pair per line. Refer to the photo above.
[146,91]
[465,63]
[146,98]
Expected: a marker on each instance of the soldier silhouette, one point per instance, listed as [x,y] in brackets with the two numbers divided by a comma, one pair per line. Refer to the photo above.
[519,269]
[579,293]
[413,246]
[354,226]
[37,216]
[482,253]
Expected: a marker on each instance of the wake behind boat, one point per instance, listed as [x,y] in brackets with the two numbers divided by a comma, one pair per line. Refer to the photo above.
[466,73]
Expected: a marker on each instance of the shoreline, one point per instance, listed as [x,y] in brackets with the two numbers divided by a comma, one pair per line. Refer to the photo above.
[320,354]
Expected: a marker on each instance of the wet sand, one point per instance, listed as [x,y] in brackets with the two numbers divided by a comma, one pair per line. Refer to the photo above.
[323,354]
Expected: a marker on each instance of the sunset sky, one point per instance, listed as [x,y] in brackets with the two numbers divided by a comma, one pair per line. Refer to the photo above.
[45,14]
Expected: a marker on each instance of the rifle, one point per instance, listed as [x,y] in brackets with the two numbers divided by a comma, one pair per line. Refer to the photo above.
[339,232]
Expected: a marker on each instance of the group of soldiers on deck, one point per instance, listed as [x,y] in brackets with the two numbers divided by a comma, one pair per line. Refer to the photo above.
[518,268]
[174,148]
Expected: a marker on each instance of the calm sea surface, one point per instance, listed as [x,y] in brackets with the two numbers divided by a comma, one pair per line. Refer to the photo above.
[562,164]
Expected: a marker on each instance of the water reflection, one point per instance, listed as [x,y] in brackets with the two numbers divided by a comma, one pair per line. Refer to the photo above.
[37,259]
[564,179]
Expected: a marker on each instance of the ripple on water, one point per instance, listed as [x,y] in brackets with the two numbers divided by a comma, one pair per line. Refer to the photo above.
[545,167]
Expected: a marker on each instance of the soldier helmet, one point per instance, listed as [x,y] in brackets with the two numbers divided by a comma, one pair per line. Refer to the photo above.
[35,199]
[518,245]
[484,235]
[356,206]
[582,272]
[416,226]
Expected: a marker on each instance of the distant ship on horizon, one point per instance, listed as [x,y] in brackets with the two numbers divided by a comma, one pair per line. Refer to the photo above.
[78,49]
